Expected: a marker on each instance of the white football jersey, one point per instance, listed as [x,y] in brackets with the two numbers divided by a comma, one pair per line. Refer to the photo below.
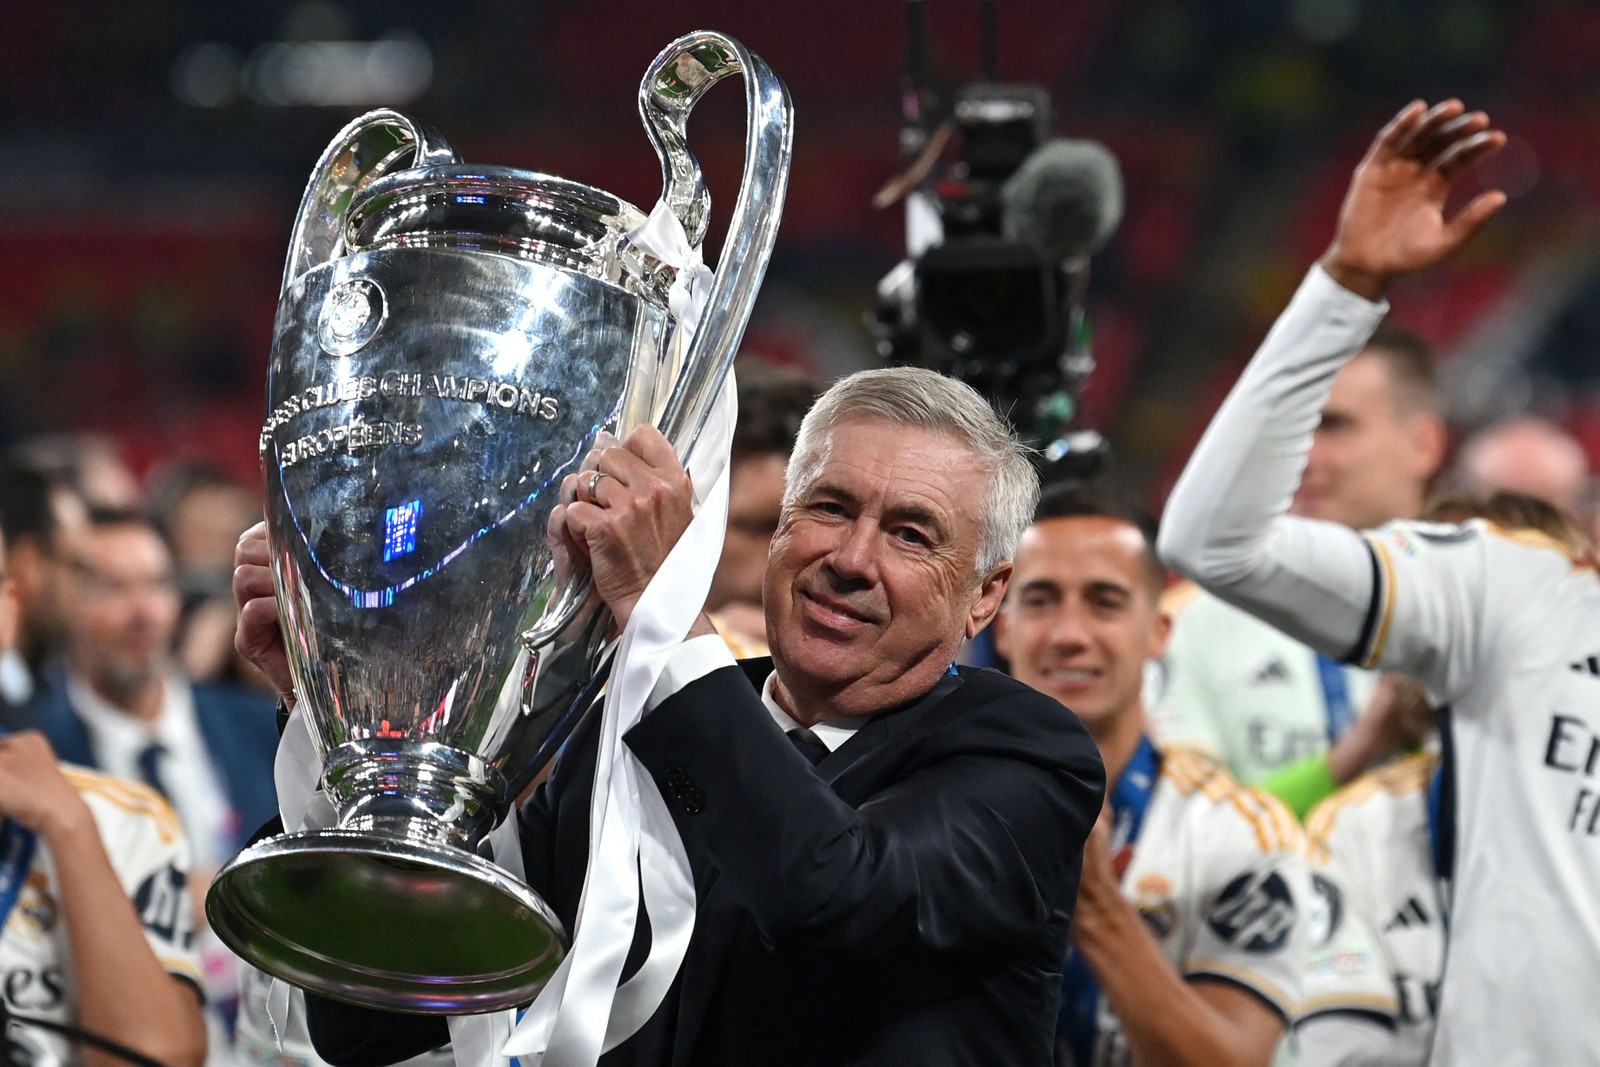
[1219,877]
[1504,629]
[1242,692]
[1378,932]
[151,858]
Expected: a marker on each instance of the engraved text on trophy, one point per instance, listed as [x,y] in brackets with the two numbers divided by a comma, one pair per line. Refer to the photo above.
[362,434]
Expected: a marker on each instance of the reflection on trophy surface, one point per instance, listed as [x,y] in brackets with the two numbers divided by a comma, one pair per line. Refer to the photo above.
[450,339]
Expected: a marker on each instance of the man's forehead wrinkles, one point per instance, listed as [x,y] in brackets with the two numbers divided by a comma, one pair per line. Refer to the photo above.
[901,491]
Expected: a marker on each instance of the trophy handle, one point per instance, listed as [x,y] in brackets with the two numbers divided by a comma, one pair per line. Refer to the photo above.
[672,86]
[369,147]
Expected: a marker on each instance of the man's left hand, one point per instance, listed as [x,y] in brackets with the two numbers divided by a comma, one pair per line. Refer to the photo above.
[623,513]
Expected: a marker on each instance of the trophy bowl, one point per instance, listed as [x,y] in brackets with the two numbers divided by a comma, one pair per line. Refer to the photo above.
[450,340]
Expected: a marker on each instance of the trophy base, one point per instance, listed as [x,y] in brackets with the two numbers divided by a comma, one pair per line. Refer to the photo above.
[389,923]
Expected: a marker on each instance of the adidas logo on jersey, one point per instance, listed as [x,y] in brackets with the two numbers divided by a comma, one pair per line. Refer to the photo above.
[1588,665]
[1274,670]
[1411,914]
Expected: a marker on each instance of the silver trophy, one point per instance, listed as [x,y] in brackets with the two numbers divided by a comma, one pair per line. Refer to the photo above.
[450,340]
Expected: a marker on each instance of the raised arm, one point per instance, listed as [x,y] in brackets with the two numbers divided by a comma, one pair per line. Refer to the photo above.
[1227,524]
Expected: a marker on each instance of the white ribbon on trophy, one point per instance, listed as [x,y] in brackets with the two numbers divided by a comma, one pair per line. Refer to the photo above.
[634,845]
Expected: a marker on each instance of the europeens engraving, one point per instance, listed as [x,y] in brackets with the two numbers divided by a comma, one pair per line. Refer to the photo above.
[357,435]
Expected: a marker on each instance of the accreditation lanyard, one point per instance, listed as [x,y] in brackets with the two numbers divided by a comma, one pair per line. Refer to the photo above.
[1335,696]
[1077,1026]
[16,857]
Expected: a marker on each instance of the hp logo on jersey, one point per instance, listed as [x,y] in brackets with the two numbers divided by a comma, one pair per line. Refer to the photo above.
[1256,912]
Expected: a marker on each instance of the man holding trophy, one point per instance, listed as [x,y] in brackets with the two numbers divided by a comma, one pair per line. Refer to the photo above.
[483,386]
[905,898]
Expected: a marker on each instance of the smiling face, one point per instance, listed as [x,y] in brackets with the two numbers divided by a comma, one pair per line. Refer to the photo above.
[1083,616]
[871,585]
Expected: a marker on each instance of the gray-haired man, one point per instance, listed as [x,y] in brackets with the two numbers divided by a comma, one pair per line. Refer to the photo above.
[904,894]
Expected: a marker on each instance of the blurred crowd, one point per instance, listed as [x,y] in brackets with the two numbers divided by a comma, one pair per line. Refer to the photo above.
[1292,880]
[124,660]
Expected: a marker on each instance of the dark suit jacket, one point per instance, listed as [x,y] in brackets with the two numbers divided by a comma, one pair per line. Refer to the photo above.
[238,727]
[905,902]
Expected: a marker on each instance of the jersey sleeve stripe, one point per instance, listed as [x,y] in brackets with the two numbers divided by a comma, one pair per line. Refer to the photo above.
[1282,821]
[1530,538]
[1360,1003]
[1320,824]
[1223,971]
[1380,611]
[131,797]
[1257,823]
[182,968]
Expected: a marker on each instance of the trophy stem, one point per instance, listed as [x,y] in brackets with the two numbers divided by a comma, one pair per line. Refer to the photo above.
[416,791]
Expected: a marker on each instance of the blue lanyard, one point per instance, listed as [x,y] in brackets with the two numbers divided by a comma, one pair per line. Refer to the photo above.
[1335,696]
[1130,799]
[1077,1024]
[16,858]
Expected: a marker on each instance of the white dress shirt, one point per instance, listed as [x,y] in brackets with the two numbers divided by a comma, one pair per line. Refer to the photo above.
[699,656]
[191,781]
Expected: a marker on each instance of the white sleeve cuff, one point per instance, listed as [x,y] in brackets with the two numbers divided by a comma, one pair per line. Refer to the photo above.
[1319,284]
[692,660]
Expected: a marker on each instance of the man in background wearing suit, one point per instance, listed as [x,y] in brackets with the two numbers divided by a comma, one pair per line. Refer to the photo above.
[126,709]
[893,882]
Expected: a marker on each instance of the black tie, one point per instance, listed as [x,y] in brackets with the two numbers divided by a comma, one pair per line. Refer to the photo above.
[150,757]
[808,744]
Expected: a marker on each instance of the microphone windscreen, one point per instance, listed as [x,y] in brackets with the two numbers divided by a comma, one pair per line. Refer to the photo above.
[1065,200]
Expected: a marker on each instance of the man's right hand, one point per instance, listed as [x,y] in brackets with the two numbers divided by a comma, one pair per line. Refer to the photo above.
[1392,223]
[258,637]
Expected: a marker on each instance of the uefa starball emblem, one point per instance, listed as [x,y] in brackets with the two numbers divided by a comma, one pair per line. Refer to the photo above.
[351,316]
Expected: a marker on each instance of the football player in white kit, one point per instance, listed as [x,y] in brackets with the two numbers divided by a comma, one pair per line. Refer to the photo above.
[1505,630]
[1378,932]
[1190,935]
[1381,854]
[97,926]
[1279,715]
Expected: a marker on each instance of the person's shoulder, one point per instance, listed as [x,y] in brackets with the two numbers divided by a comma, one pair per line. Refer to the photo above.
[1417,538]
[243,710]
[121,807]
[1369,798]
[1223,813]
[50,704]
[992,709]
[993,691]
[1180,596]
[235,696]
